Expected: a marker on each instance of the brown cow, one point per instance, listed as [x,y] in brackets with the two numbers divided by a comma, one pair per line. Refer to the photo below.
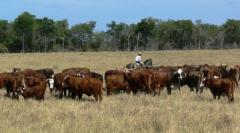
[77,71]
[88,85]
[139,79]
[113,72]
[163,77]
[116,82]
[37,91]
[221,87]
[12,82]
[96,75]
[58,84]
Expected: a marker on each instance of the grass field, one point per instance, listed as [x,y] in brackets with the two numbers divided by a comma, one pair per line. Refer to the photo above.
[181,112]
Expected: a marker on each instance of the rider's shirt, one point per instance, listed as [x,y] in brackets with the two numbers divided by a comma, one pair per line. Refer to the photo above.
[138,58]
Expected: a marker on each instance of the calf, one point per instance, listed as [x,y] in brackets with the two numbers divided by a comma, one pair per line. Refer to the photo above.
[37,91]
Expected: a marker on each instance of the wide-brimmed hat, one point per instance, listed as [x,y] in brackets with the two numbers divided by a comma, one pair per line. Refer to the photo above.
[139,53]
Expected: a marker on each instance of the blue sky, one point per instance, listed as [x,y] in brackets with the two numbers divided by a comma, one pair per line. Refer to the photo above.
[129,11]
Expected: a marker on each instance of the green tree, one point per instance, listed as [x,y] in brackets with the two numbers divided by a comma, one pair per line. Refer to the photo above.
[23,27]
[3,31]
[62,31]
[82,34]
[47,30]
[145,28]
[232,31]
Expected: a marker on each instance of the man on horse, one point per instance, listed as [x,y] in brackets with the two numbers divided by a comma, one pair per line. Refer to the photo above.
[138,60]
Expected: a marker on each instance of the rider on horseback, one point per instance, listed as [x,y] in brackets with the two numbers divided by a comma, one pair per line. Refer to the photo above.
[138,59]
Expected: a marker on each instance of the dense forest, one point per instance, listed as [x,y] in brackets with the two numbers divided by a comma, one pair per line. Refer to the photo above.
[30,34]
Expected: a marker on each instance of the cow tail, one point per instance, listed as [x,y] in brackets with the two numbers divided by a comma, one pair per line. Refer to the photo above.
[232,90]
[101,92]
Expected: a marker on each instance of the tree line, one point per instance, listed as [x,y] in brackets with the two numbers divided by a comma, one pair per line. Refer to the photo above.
[30,34]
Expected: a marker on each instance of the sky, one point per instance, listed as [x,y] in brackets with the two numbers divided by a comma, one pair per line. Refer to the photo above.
[128,11]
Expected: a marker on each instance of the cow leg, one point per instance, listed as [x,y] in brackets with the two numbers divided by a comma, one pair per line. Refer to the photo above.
[214,96]
[15,96]
[60,94]
[191,89]
[80,96]
[95,96]
[201,89]
[128,90]
[109,91]
[169,90]
[219,97]
[134,91]
[8,92]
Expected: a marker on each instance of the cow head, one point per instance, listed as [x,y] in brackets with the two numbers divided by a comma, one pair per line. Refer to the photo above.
[180,73]
[66,81]
[202,83]
[21,88]
[50,82]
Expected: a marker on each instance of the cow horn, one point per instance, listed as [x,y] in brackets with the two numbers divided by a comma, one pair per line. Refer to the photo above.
[66,77]
[82,75]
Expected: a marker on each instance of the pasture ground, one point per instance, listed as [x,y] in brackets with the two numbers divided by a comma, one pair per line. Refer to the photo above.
[181,112]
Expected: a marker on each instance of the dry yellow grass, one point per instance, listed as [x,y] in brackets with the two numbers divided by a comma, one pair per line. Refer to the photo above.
[181,112]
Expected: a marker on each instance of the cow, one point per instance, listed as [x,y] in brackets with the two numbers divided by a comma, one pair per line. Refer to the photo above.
[96,75]
[193,80]
[47,72]
[58,84]
[139,79]
[220,87]
[12,82]
[116,83]
[88,85]
[77,71]
[36,91]
[113,72]
[164,77]
[231,73]
[3,79]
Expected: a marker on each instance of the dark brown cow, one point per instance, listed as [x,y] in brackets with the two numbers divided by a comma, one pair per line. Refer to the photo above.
[116,83]
[47,72]
[113,72]
[28,72]
[13,81]
[77,71]
[3,79]
[231,73]
[221,87]
[58,84]
[88,85]
[139,79]
[193,80]
[34,81]
[96,75]
[163,78]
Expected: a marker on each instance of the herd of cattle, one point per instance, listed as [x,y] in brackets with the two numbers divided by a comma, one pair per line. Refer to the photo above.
[74,82]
